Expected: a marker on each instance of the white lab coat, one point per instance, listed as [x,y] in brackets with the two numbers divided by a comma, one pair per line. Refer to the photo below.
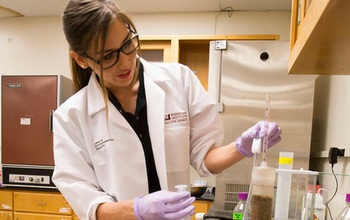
[101,160]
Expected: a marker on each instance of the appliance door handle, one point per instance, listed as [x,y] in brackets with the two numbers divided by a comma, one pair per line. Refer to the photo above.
[51,120]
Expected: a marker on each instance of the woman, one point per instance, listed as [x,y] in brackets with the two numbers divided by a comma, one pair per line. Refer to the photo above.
[131,131]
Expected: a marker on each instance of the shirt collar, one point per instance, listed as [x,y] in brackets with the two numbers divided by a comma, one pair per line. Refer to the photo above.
[141,97]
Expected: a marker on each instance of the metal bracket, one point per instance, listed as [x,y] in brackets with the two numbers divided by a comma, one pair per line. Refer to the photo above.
[220,107]
[220,45]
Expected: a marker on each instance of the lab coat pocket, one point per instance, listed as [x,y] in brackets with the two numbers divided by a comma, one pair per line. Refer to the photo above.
[177,145]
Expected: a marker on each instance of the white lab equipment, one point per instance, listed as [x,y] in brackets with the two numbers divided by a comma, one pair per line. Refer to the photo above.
[302,193]
[182,188]
[283,186]
[238,211]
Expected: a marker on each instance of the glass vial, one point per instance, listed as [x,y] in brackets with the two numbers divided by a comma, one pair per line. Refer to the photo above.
[238,211]
[182,188]
[345,214]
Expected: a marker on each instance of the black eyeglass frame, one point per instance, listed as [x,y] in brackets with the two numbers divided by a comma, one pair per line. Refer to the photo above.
[117,51]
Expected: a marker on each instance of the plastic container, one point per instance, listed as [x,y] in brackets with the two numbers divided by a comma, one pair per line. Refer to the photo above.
[302,193]
[284,181]
[182,188]
[345,214]
[320,207]
[238,211]
[262,193]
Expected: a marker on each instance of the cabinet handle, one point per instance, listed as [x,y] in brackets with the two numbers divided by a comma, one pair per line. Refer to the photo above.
[51,120]
[9,216]
[41,203]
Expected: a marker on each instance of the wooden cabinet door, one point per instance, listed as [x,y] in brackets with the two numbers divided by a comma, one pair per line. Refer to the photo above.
[5,200]
[201,206]
[32,216]
[53,203]
[156,50]
[6,215]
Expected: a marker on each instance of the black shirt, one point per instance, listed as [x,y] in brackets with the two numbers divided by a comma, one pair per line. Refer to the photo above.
[140,125]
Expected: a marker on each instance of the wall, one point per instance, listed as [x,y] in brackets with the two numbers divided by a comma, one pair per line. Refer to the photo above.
[37,46]
[331,126]
[33,46]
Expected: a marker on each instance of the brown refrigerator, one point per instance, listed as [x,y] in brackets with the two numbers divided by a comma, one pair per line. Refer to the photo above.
[27,105]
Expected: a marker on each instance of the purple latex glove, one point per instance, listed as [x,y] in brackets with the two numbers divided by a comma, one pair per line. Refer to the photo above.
[244,142]
[164,205]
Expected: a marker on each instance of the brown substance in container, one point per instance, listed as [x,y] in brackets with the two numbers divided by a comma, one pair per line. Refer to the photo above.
[260,208]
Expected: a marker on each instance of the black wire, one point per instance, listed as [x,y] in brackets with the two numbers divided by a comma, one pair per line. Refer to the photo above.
[335,192]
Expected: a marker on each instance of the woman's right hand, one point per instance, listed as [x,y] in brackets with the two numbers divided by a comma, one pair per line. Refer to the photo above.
[244,142]
[164,205]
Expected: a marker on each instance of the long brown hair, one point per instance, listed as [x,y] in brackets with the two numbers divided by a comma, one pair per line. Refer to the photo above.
[87,21]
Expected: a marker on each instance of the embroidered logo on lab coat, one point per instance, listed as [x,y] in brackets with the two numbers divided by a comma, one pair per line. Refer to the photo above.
[102,143]
[177,117]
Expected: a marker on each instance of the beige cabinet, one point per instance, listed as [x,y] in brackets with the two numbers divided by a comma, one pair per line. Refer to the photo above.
[319,43]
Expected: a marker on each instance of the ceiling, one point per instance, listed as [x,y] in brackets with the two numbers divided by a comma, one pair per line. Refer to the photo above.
[28,8]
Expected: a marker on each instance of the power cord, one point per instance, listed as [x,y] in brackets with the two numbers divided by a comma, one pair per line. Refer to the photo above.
[333,155]
[335,192]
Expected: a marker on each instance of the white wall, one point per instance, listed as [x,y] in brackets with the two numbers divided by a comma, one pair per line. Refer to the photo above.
[214,23]
[331,128]
[33,46]
[37,46]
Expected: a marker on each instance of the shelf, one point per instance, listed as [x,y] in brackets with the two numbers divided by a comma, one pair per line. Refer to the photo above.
[324,154]
[320,45]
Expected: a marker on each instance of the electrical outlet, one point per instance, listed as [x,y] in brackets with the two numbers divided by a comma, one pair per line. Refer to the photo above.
[199,183]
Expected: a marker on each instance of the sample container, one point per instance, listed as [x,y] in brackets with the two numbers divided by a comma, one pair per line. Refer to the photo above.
[262,193]
[284,180]
[303,182]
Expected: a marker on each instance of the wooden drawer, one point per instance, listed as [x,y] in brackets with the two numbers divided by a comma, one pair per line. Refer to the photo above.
[32,216]
[6,215]
[201,206]
[53,203]
[6,200]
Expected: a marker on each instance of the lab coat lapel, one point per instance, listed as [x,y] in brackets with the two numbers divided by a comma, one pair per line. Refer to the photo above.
[96,103]
[155,112]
